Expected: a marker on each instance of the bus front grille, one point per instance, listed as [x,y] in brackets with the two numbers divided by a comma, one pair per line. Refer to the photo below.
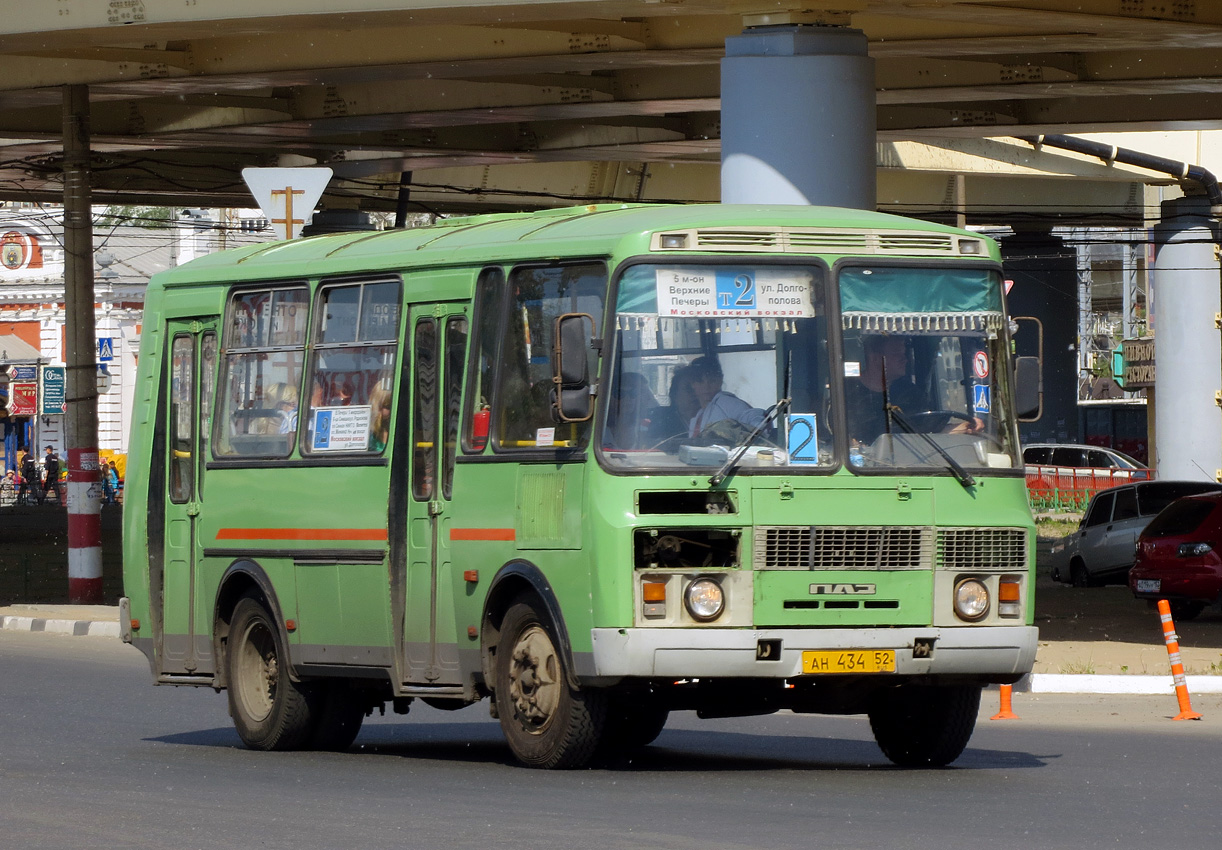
[982,549]
[843,548]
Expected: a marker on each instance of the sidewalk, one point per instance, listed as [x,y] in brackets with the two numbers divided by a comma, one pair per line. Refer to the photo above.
[78,620]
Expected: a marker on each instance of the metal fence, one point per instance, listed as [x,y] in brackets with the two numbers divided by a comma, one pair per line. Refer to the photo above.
[1067,489]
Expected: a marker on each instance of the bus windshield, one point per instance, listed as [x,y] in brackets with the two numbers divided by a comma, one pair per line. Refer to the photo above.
[704,352]
[711,358]
[925,378]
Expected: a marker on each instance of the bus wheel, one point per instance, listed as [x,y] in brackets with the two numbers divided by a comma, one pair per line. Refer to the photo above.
[338,718]
[925,725]
[547,723]
[270,711]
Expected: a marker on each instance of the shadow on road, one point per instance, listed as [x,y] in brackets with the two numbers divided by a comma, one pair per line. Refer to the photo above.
[675,751]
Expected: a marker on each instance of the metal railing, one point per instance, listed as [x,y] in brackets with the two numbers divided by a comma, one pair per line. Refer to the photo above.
[1067,489]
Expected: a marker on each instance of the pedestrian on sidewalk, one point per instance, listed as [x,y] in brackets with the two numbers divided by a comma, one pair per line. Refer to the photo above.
[50,465]
[110,485]
[29,479]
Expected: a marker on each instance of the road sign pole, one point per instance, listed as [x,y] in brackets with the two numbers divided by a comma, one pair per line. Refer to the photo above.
[81,390]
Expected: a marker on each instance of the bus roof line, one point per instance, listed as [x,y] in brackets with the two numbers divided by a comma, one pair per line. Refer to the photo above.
[271,246]
[591,211]
[348,245]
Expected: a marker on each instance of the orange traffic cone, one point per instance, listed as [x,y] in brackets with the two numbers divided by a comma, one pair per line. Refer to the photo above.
[1177,666]
[1005,713]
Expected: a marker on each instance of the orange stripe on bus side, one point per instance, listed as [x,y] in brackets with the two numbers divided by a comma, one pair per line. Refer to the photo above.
[301,534]
[482,534]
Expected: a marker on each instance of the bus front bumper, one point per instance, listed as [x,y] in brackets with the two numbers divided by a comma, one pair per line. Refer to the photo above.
[1002,651]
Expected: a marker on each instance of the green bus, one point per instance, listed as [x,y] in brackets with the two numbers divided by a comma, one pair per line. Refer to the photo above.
[597,464]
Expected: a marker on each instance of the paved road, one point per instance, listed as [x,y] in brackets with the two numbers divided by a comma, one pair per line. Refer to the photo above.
[91,755]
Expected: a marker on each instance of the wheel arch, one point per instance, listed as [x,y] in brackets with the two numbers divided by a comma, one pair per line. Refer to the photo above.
[244,577]
[511,581]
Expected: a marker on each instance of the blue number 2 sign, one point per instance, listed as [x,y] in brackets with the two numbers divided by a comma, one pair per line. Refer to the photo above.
[803,444]
[735,290]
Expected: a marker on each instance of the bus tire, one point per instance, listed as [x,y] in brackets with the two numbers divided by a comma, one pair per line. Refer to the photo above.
[546,723]
[338,718]
[269,710]
[925,725]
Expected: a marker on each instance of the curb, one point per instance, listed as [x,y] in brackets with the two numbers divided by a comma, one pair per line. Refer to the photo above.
[1076,683]
[78,628]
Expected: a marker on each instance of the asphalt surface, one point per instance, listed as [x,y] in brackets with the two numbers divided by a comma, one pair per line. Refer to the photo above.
[93,756]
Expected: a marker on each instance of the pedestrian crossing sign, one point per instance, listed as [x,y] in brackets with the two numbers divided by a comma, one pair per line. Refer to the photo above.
[106,349]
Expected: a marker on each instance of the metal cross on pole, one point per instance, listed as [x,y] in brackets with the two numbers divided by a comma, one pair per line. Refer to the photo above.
[287,196]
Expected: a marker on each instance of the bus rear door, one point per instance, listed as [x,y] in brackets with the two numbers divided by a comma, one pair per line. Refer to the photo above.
[186,646]
[438,334]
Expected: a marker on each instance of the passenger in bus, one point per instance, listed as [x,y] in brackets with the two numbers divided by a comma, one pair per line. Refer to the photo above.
[674,418]
[379,419]
[627,420]
[717,404]
[282,398]
[885,363]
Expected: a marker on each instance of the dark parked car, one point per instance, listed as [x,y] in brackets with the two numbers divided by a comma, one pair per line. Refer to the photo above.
[1101,550]
[1179,556]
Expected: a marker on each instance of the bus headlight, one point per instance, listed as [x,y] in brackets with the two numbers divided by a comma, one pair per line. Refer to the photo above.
[971,599]
[704,600]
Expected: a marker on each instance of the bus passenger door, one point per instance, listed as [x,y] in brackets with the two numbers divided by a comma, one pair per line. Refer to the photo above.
[186,646]
[439,344]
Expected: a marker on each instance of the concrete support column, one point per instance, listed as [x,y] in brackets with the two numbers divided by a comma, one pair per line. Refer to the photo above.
[798,118]
[1188,424]
[84,491]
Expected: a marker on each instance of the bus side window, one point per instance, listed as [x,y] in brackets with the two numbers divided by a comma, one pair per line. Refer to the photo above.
[489,307]
[540,294]
[455,355]
[263,353]
[352,365]
[424,411]
[182,419]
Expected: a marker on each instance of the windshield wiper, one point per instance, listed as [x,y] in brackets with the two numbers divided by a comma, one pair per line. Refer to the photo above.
[731,463]
[961,474]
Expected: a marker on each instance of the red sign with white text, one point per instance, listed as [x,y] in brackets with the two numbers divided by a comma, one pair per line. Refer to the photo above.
[23,399]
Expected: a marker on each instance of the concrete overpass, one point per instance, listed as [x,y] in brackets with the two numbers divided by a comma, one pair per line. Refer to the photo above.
[518,104]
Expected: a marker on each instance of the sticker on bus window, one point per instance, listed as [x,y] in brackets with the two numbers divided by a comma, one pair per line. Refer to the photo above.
[545,437]
[731,291]
[340,429]
[803,443]
[980,398]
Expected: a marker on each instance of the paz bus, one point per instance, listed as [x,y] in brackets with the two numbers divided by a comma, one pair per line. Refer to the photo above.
[596,464]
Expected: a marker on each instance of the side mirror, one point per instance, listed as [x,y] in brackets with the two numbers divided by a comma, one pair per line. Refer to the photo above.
[1028,389]
[570,395]
[1028,369]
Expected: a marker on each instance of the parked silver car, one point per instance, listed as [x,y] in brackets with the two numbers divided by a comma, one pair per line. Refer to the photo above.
[1101,550]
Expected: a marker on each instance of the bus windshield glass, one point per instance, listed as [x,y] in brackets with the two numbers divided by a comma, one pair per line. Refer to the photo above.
[926,378]
[712,358]
[704,352]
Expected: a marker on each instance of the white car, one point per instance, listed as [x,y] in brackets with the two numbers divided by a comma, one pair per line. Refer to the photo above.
[1101,550]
